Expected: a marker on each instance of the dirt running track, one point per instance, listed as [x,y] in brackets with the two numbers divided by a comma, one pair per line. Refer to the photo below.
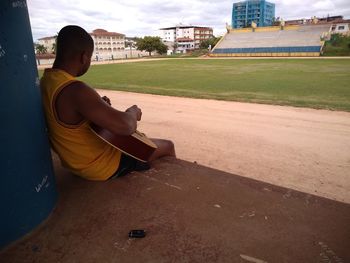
[298,148]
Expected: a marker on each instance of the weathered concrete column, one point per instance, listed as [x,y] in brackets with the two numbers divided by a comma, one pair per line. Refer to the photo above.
[27,188]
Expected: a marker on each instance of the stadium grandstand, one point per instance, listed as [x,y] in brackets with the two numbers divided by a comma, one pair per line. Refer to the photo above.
[289,40]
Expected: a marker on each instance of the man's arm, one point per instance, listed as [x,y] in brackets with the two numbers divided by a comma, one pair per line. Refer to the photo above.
[88,103]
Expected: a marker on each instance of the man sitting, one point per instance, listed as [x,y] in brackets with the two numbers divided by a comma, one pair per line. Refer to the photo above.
[71,105]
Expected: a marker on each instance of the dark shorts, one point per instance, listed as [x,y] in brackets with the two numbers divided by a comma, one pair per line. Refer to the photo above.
[128,164]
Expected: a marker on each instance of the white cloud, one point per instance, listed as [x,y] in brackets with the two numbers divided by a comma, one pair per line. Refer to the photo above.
[288,9]
[139,17]
[323,5]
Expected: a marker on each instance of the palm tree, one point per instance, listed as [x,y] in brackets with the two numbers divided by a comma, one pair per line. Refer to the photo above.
[53,49]
[40,49]
[54,45]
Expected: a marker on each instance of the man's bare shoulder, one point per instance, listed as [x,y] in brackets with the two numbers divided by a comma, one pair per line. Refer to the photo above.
[71,99]
[79,90]
[78,86]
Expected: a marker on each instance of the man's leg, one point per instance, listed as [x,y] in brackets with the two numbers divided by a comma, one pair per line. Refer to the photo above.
[128,164]
[165,148]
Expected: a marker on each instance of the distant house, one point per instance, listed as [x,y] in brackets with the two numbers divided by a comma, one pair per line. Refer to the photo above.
[184,44]
[48,43]
[341,28]
[130,42]
[184,38]
[107,45]
[313,20]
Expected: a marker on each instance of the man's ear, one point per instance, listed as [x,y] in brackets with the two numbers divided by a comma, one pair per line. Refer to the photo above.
[83,57]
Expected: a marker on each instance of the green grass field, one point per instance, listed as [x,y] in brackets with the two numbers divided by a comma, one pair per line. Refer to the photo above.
[314,83]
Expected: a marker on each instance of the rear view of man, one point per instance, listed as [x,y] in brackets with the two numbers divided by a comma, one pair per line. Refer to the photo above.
[71,105]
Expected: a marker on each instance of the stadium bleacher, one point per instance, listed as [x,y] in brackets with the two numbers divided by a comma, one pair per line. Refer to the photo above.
[292,41]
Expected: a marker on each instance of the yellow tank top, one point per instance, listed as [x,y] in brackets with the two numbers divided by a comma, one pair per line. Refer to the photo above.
[79,149]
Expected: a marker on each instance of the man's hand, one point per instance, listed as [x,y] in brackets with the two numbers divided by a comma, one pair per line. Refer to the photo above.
[136,111]
[107,100]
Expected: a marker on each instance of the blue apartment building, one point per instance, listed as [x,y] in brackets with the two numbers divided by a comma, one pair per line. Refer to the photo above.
[259,11]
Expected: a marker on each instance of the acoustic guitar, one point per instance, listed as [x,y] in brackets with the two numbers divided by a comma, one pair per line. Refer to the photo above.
[137,145]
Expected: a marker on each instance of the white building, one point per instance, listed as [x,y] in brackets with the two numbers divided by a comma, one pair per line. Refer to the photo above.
[48,43]
[184,44]
[107,45]
[185,37]
[341,28]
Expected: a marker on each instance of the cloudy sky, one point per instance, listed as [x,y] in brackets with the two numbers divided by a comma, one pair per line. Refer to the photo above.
[145,17]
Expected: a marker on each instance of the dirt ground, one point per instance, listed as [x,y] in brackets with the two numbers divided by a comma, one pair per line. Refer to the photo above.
[303,149]
[191,214]
[211,211]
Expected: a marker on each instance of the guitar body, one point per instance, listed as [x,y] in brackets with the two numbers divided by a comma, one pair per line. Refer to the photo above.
[137,145]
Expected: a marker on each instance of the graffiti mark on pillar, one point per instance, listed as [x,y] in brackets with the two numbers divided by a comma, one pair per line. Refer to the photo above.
[19,4]
[37,82]
[42,184]
[25,58]
[2,52]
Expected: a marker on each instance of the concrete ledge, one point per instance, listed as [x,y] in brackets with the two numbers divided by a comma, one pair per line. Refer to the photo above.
[191,214]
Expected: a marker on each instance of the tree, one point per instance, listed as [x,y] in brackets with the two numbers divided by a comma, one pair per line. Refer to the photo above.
[53,49]
[40,49]
[151,44]
[336,39]
[162,48]
[210,41]
[175,46]
[54,45]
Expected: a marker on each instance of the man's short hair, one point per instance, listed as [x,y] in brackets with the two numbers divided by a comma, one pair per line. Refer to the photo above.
[73,40]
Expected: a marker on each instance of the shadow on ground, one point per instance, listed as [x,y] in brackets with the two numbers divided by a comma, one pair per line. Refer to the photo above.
[191,214]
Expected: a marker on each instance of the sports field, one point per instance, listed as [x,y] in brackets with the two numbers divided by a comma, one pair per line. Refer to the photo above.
[314,83]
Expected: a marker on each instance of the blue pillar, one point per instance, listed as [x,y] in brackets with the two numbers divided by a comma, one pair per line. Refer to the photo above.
[27,187]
